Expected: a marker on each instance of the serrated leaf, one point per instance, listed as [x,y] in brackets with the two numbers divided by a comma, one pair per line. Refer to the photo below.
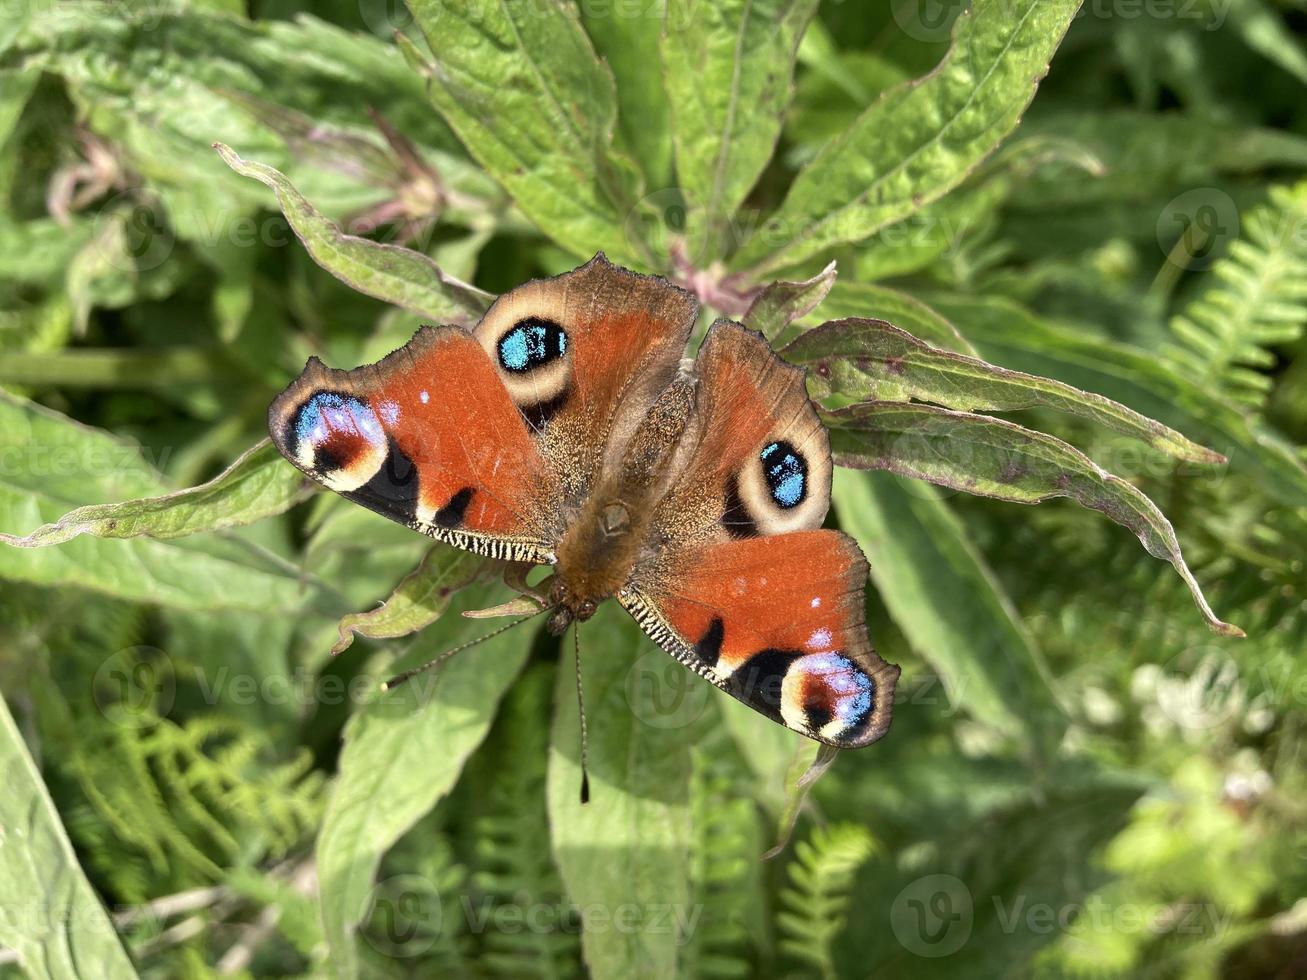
[952,610]
[728,69]
[1011,335]
[628,848]
[390,273]
[522,87]
[260,484]
[403,752]
[630,46]
[50,464]
[871,360]
[919,140]
[419,600]
[995,458]
[51,917]
[781,303]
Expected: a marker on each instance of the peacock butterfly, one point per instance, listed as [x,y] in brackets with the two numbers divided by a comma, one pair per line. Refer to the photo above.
[564,430]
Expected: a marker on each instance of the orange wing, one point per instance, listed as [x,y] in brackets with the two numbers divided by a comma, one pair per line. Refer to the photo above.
[740,584]
[584,355]
[427,437]
[778,623]
[491,440]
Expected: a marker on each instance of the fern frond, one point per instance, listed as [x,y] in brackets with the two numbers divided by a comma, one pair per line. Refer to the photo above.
[512,862]
[814,903]
[725,873]
[1259,300]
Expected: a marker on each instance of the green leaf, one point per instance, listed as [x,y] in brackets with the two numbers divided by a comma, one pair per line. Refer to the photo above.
[848,299]
[403,753]
[50,917]
[626,852]
[995,458]
[921,139]
[50,464]
[1010,335]
[809,764]
[1264,30]
[417,601]
[729,73]
[390,273]
[522,87]
[781,303]
[115,367]
[630,46]
[950,607]
[260,484]
[871,360]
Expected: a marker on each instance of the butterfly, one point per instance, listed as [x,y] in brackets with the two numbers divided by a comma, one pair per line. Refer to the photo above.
[565,430]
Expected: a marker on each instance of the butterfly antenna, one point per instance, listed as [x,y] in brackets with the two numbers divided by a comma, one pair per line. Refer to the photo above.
[399,679]
[580,710]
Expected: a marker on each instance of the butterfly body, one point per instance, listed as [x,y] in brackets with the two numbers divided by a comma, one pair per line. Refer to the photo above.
[563,430]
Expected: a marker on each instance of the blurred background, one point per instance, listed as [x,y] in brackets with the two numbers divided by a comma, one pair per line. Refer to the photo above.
[1081,779]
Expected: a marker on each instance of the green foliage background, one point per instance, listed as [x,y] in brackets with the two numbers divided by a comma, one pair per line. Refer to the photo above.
[1083,777]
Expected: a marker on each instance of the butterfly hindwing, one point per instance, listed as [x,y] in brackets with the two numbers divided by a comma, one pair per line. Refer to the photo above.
[745,589]
[427,437]
[777,622]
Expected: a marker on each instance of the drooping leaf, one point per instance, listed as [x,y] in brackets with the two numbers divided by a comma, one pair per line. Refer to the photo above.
[810,762]
[430,726]
[51,917]
[995,458]
[417,601]
[728,69]
[49,465]
[260,484]
[781,303]
[919,140]
[952,610]
[871,360]
[1010,335]
[522,87]
[390,273]
[628,848]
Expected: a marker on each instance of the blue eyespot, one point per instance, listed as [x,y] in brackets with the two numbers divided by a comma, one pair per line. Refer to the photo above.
[786,472]
[328,413]
[533,342]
